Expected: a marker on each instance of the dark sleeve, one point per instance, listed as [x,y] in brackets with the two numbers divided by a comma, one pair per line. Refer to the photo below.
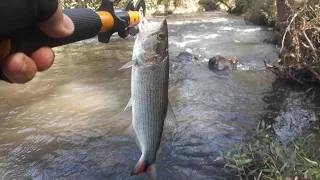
[17,15]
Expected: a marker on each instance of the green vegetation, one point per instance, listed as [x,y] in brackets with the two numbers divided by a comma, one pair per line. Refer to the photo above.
[261,12]
[155,7]
[69,4]
[263,156]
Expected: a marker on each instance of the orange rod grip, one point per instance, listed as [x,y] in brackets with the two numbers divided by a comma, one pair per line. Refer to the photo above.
[106,20]
[134,17]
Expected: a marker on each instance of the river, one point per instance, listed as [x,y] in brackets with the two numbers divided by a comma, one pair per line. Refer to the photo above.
[69,123]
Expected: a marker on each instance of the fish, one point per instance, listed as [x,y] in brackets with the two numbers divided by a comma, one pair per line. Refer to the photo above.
[151,109]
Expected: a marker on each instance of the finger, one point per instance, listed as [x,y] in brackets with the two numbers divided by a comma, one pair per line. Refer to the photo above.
[19,68]
[59,25]
[43,58]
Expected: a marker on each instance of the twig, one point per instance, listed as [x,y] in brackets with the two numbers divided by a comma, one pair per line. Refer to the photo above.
[305,35]
[306,46]
[287,29]
[266,65]
[311,64]
[296,78]
[314,73]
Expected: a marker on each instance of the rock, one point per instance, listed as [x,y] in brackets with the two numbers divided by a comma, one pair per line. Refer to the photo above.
[270,41]
[219,63]
[186,57]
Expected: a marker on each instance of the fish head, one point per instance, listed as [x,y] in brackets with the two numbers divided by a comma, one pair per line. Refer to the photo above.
[151,45]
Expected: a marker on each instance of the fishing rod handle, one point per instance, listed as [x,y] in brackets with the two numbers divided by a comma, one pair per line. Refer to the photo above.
[87,24]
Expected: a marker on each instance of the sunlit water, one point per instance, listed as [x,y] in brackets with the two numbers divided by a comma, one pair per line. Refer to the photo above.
[68,123]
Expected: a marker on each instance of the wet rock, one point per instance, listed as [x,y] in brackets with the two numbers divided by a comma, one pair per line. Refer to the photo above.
[270,41]
[219,63]
[186,57]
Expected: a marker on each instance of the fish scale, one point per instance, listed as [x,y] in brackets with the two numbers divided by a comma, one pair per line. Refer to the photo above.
[151,97]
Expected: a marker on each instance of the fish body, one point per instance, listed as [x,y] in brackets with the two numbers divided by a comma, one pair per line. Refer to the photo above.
[149,93]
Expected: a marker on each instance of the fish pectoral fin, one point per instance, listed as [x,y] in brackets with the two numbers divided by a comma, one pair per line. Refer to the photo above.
[159,150]
[132,133]
[138,143]
[170,121]
[128,64]
[129,104]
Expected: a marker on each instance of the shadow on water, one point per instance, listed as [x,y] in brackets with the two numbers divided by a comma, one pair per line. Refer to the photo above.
[276,97]
[290,107]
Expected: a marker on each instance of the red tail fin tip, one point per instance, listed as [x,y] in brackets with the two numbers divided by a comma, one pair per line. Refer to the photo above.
[152,172]
[140,168]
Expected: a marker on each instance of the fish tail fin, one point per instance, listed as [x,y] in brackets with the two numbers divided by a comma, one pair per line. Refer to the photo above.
[152,172]
[142,166]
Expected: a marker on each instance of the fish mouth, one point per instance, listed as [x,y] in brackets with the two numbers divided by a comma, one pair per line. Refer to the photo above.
[163,23]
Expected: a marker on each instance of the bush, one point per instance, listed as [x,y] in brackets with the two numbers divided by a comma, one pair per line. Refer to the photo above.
[261,12]
[299,59]
[93,4]
[208,5]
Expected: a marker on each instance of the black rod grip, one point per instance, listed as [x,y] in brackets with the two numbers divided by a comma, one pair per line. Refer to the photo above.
[87,24]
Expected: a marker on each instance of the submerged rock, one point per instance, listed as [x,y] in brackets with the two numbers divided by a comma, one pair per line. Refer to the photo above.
[219,63]
[186,57]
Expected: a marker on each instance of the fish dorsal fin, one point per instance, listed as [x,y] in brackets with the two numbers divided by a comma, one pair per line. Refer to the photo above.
[128,64]
[170,122]
[129,104]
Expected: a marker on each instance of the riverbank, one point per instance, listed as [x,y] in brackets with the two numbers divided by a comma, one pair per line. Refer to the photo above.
[262,155]
[261,12]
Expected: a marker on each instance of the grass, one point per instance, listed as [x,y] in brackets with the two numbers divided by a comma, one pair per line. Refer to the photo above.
[264,157]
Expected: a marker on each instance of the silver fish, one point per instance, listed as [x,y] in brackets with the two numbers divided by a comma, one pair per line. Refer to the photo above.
[149,93]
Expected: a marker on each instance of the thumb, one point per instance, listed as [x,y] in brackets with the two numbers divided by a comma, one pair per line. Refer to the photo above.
[59,25]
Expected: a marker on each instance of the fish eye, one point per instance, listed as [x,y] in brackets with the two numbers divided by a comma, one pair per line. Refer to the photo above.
[160,36]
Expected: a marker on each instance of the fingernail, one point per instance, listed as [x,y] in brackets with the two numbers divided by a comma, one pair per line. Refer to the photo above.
[16,68]
[67,23]
[19,61]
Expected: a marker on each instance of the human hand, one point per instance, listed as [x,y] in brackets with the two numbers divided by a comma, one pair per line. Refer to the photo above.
[20,68]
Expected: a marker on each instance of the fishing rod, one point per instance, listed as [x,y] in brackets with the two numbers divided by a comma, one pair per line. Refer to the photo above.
[88,23]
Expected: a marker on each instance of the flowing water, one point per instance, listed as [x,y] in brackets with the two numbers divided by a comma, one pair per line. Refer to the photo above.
[69,123]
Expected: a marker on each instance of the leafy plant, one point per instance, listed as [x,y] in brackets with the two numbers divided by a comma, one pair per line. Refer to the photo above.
[263,157]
